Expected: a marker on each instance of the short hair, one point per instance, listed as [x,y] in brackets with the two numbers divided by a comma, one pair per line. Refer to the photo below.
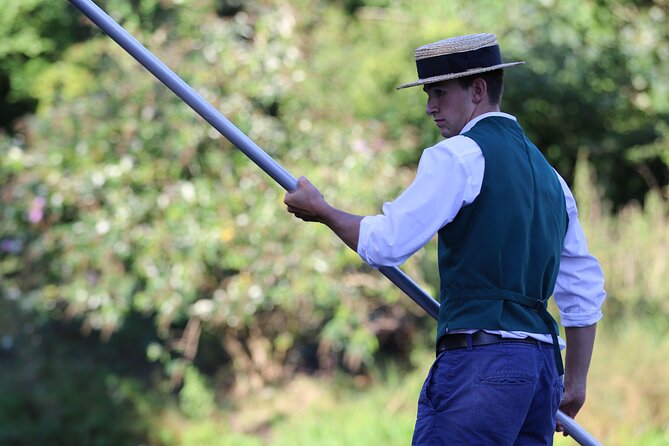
[493,79]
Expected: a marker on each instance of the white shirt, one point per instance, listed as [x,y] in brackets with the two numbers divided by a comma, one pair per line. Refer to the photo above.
[449,177]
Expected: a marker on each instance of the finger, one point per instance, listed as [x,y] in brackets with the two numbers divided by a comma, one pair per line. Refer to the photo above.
[291,196]
[296,211]
[302,183]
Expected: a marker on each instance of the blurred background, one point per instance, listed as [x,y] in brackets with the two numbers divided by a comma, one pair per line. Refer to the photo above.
[155,292]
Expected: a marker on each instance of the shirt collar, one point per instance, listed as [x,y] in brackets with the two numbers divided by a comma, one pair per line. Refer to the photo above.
[473,122]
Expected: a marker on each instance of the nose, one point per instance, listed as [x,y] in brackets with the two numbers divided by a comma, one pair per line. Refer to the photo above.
[430,106]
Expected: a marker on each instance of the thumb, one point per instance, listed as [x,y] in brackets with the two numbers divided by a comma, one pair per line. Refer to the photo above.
[303,182]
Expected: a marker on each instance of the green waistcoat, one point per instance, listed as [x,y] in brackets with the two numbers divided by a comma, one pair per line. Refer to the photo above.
[499,257]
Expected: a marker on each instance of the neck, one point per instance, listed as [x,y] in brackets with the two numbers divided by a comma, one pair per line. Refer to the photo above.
[483,108]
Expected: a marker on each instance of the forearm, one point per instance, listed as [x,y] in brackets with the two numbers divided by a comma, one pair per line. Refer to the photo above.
[345,225]
[580,343]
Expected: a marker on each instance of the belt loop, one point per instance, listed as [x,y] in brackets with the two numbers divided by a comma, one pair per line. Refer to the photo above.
[470,342]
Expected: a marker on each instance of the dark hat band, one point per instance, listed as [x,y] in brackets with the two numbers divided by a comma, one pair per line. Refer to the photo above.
[488,56]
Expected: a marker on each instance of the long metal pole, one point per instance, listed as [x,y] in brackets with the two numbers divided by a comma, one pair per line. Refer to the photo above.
[262,159]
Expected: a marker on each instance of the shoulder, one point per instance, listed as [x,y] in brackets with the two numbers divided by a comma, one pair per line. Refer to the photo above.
[450,156]
[459,147]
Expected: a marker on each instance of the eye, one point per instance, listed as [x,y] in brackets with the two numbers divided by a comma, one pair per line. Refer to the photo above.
[435,92]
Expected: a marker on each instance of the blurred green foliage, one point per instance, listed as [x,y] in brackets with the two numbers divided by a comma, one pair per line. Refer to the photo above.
[61,388]
[124,201]
[117,201]
[196,399]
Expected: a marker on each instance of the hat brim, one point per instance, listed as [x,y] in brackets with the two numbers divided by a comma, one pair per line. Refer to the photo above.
[445,77]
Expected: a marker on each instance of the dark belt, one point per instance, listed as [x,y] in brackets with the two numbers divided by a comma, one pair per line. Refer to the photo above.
[459,340]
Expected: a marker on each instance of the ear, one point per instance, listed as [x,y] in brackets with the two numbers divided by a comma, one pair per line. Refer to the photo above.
[479,90]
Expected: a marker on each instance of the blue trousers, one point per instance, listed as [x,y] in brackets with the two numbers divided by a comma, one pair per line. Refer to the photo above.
[500,394]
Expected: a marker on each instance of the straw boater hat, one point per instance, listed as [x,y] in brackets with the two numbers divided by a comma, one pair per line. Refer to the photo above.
[457,57]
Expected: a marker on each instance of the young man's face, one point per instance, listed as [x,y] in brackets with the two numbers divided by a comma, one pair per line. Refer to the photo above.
[449,105]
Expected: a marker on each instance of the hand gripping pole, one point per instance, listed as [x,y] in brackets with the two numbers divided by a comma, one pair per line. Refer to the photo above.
[262,159]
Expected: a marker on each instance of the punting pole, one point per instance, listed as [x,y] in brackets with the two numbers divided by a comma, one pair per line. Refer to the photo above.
[262,159]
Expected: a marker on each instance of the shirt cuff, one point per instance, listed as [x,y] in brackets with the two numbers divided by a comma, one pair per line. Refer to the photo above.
[580,319]
[363,240]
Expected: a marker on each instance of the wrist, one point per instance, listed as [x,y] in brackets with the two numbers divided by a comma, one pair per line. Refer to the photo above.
[575,385]
[324,212]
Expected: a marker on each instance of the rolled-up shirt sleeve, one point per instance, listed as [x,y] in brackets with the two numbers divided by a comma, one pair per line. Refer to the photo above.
[579,289]
[444,183]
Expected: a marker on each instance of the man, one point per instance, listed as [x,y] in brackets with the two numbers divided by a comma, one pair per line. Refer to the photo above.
[509,238]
